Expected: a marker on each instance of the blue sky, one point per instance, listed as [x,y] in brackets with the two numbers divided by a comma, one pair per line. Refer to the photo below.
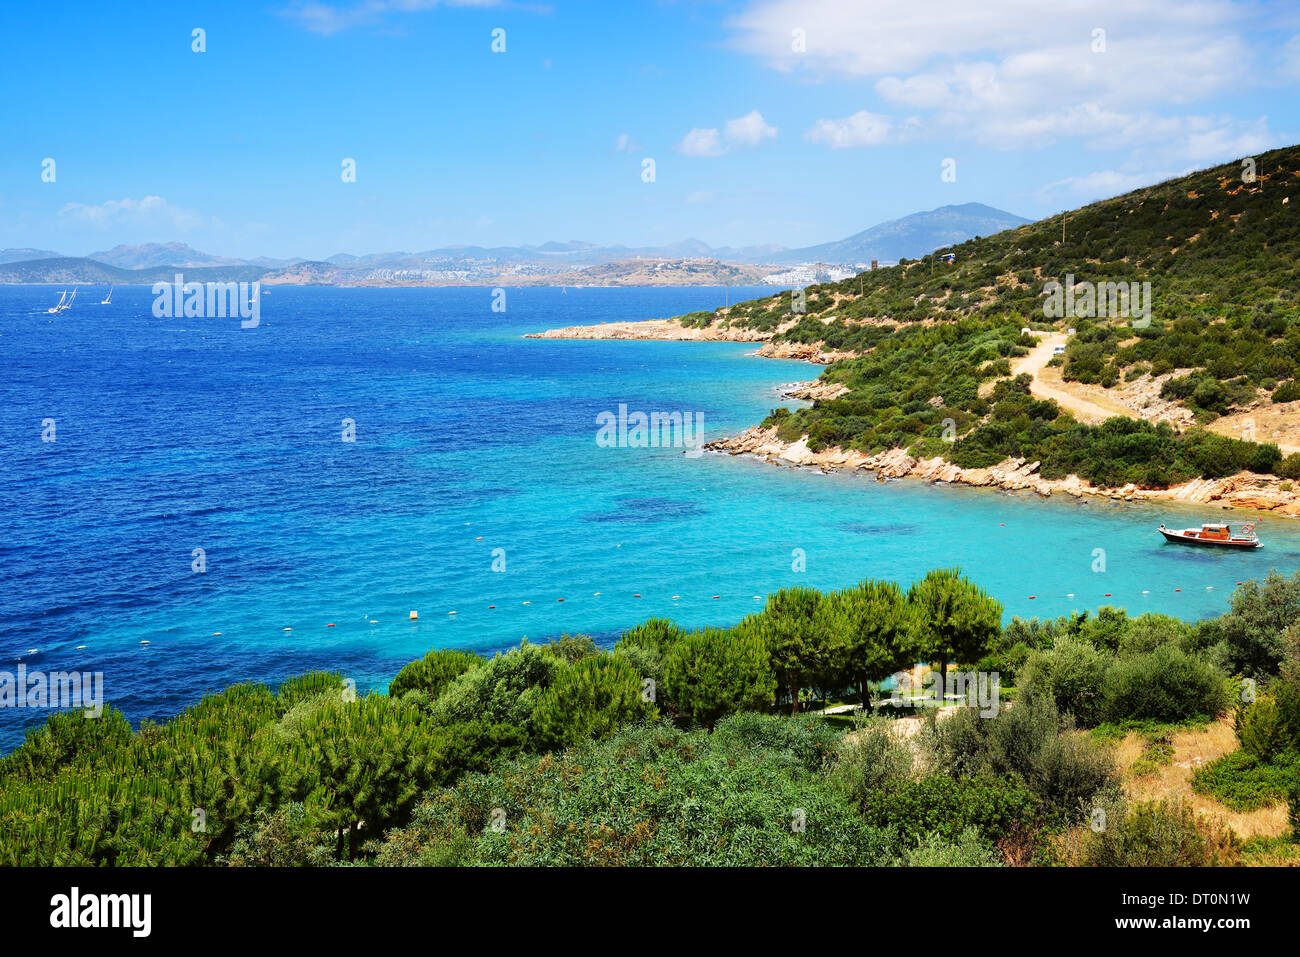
[768,121]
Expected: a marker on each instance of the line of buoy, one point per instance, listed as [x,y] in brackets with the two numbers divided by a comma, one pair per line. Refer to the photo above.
[414,615]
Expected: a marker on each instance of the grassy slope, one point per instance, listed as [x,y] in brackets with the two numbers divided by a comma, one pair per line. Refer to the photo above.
[1221,257]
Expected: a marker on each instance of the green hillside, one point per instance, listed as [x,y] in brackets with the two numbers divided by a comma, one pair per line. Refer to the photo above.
[1221,257]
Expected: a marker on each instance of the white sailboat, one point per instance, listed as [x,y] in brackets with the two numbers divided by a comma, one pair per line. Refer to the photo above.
[58,305]
[107,300]
[64,307]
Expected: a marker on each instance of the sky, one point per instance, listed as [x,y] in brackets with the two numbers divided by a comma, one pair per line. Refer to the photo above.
[767,121]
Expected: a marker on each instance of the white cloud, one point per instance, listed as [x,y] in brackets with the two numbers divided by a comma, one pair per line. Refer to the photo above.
[879,37]
[150,210]
[860,129]
[701,143]
[1103,183]
[1015,74]
[626,144]
[748,130]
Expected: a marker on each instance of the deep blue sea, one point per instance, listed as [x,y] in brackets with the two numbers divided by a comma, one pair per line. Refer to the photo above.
[475,448]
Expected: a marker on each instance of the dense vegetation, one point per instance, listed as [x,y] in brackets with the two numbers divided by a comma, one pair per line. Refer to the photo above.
[1221,256]
[675,747]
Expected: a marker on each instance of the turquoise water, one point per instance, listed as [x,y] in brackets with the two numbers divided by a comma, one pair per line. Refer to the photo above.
[179,434]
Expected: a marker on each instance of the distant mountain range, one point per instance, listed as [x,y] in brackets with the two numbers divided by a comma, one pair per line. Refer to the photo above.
[573,262]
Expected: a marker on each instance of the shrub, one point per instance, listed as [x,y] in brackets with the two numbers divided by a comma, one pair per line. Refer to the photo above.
[503,690]
[572,648]
[288,836]
[1166,685]
[947,806]
[1241,782]
[1254,629]
[1262,730]
[1071,673]
[1286,392]
[590,699]
[870,760]
[967,850]
[1149,631]
[712,673]
[433,673]
[651,795]
[1030,742]
[1158,834]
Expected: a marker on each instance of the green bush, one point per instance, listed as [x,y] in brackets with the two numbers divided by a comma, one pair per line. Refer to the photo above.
[433,673]
[870,760]
[967,850]
[1156,834]
[651,795]
[1262,730]
[1241,782]
[947,806]
[590,699]
[1166,685]
[503,690]
[712,673]
[1071,674]
[1031,743]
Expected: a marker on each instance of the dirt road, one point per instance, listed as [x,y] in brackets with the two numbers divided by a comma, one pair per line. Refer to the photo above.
[1048,384]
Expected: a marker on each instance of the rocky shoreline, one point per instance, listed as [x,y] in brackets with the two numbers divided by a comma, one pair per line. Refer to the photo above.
[657,329]
[670,330]
[1246,490]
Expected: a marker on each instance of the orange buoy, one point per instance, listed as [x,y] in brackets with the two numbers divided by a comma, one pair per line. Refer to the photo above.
[1032,597]
[491,606]
[330,625]
[636,596]
[559,599]
[1177,589]
[715,596]
[1107,595]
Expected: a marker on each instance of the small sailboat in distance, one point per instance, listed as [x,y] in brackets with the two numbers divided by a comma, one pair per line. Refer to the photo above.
[65,306]
[107,300]
[58,305]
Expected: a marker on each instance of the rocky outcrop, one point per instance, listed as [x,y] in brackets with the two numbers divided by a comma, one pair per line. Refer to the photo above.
[672,330]
[808,352]
[815,391]
[1244,490]
[658,329]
